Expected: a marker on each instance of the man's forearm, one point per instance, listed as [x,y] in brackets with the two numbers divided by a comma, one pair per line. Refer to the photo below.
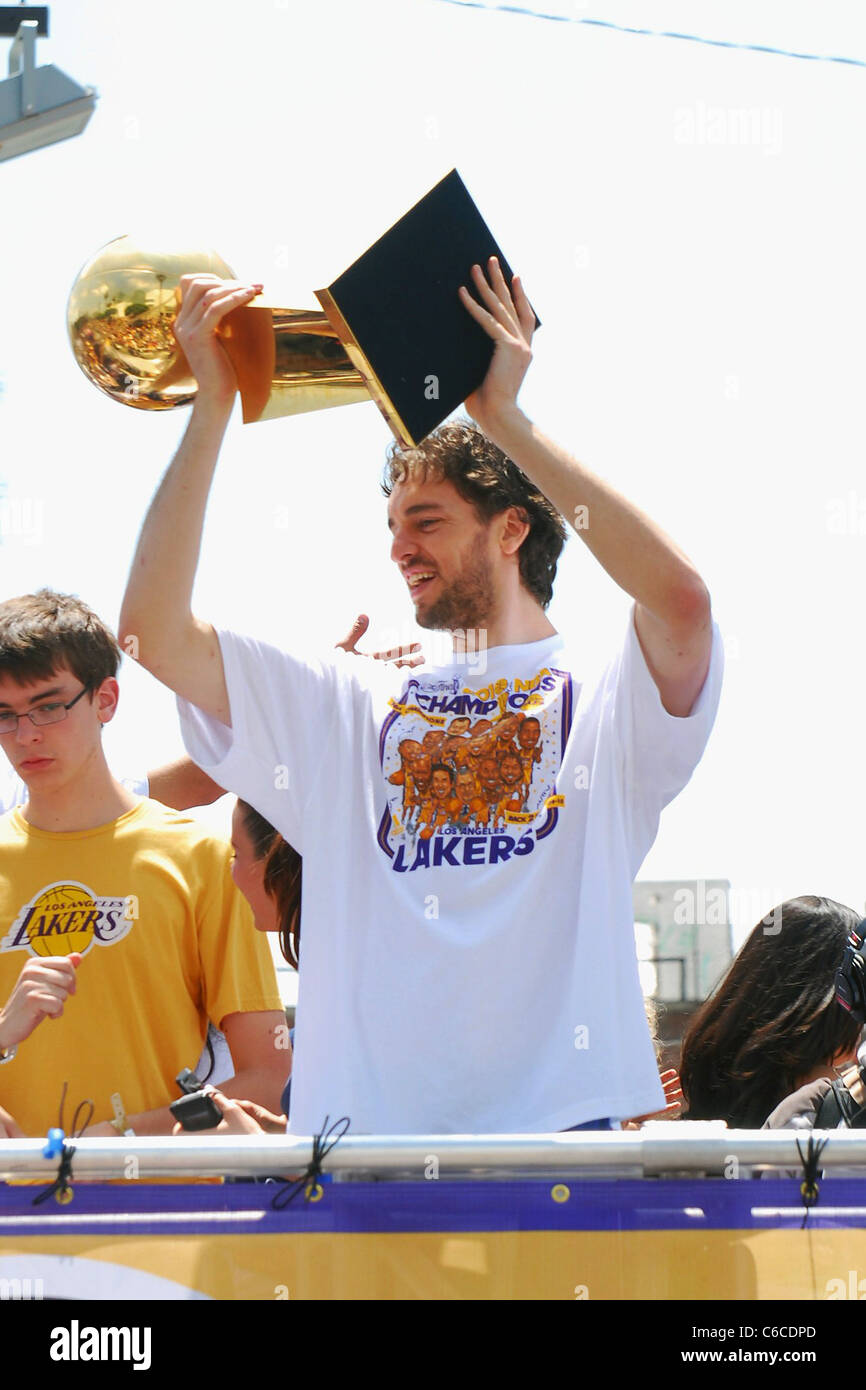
[157,603]
[156,609]
[635,552]
[265,1085]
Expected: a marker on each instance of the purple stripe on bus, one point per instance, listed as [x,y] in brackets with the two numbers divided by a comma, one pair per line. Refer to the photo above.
[442,1205]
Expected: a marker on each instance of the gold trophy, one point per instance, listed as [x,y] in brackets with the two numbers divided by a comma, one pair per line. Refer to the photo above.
[393,328]
[121,313]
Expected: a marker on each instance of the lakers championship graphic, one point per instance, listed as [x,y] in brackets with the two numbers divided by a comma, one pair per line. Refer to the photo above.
[67,917]
[472,773]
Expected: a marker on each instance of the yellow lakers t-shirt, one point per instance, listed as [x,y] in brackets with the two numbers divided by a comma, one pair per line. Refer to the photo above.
[167,942]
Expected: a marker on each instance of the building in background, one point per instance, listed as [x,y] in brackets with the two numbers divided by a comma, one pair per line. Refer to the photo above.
[684,946]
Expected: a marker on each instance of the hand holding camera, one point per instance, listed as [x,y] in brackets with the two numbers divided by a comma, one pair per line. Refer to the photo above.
[195,1110]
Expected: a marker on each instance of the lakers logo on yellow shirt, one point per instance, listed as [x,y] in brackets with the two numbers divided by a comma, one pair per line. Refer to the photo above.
[68,917]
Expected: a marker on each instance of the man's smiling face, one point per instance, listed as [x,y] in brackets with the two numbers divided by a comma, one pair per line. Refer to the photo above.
[443,552]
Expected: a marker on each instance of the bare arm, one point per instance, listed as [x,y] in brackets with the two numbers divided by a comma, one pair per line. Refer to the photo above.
[183,784]
[262,1062]
[261,1071]
[672,614]
[156,620]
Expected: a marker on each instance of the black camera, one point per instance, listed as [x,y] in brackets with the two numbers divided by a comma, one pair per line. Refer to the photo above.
[194,1110]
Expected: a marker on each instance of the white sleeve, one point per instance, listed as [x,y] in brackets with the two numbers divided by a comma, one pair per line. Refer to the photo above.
[291,722]
[659,751]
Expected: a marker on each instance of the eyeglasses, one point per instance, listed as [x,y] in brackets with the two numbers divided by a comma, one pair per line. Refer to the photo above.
[51,713]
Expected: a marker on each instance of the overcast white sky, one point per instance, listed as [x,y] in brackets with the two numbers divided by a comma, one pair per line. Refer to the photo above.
[689,222]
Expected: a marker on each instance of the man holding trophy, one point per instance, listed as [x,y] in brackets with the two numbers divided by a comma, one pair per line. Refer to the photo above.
[469,839]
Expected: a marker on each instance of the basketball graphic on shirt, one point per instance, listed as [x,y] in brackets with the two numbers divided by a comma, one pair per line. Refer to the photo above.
[471,772]
[66,917]
[70,907]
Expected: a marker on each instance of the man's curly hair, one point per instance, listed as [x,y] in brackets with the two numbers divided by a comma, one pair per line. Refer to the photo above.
[460,454]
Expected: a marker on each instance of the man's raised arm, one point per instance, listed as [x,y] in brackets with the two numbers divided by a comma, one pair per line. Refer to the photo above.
[672,614]
[157,625]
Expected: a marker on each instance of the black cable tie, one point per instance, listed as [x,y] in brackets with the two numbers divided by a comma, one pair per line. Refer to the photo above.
[309,1183]
[77,1130]
[61,1188]
[809,1190]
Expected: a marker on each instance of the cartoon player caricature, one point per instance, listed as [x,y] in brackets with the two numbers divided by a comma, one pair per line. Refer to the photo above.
[422,771]
[491,788]
[409,750]
[465,751]
[467,796]
[514,790]
[529,741]
[432,742]
[441,806]
[413,775]
[455,740]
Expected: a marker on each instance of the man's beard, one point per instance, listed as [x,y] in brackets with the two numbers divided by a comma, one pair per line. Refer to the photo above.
[466,603]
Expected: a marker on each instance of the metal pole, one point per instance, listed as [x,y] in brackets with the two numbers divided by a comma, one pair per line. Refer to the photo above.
[22,61]
[654,1150]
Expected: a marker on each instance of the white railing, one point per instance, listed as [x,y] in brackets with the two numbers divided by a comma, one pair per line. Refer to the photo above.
[659,1149]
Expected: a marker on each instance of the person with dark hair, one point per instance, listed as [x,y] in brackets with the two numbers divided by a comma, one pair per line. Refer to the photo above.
[416,922]
[268,871]
[772,1024]
[136,899]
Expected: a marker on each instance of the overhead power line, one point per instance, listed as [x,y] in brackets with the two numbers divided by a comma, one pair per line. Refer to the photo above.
[657,33]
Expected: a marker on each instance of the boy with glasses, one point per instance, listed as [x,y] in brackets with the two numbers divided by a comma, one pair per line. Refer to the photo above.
[138,895]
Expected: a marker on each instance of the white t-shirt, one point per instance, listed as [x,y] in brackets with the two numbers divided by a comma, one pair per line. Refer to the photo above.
[468,961]
[13,792]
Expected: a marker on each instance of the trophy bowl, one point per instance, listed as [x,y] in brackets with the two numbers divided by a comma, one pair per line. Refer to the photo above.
[121,315]
[120,318]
